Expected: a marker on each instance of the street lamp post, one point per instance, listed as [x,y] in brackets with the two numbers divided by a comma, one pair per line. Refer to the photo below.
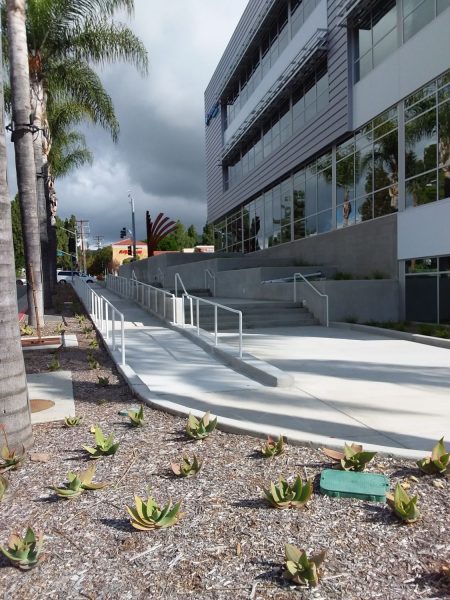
[133,225]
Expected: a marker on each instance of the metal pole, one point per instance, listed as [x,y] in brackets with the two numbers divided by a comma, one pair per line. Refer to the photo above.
[122,331]
[133,225]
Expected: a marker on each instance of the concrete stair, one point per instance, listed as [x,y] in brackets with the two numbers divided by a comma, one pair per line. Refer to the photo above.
[254,315]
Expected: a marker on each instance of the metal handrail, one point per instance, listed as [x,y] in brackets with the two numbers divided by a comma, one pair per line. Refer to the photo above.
[142,293]
[325,296]
[209,273]
[99,308]
[216,306]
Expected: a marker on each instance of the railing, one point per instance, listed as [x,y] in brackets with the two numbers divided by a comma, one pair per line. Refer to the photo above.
[103,314]
[209,273]
[324,319]
[150,297]
[216,306]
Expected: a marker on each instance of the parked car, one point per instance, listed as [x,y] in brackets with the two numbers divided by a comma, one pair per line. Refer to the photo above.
[64,277]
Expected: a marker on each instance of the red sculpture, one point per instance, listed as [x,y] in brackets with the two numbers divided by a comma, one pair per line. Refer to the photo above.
[158,230]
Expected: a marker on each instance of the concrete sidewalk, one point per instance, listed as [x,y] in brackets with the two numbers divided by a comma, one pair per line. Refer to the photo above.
[388,394]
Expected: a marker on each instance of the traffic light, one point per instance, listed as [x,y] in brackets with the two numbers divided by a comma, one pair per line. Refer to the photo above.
[123,233]
[130,251]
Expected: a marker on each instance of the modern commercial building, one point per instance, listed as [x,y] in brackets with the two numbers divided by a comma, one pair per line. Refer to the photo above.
[328,141]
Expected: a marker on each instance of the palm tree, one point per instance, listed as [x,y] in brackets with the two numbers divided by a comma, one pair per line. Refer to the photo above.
[14,406]
[65,39]
[23,147]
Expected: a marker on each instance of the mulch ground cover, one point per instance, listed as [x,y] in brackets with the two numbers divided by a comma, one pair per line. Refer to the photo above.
[229,544]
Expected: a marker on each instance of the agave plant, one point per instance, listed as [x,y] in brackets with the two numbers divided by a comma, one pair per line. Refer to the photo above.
[80,318]
[24,552]
[11,460]
[26,330]
[73,421]
[148,515]
[284,495]
[103,381]
[352,459]
[78,483]
[87,330]
[60,328]
[187,467]
[299,568]
[93,343]
[439,461]
[199,429]
[93,362]
[403,506]
[3,486]
[272,448]
[104,446]
[54,364]
[137,417]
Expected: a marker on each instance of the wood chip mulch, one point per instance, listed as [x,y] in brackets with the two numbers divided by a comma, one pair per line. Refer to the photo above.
[229,543]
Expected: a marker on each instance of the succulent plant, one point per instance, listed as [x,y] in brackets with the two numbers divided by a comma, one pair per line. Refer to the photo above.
[80,318]
[272,448]
[93,362]
[284,495]
[187,467]
[78,483]
[54,364]
[87,330]
[299,568]
[137,417]
[73,421]
[93,343]
[103,381]
[11,460]
[26,330]
[60,328]
[3,486]
[439,461]
[103,446]
[199,429]
[403,506]
[148,515]
[352,459]
[24,552]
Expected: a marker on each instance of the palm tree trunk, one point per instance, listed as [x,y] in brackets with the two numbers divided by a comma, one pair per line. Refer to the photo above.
[14,405]
[23,147]
[37,109]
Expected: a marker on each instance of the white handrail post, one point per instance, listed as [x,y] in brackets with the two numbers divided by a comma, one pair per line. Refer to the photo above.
[122,341]
[107,322]
[240,334]
[113,327]
[156,301]
[198,316]
[215,324]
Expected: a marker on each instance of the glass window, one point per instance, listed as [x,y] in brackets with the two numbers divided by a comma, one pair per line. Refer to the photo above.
[421,14]
[364,209]
[299,195]
[421,265]
[421,190]
[324,189]
[420,143]
[345,173]
[324,221]
[345,214]
[421,298]
[444,150]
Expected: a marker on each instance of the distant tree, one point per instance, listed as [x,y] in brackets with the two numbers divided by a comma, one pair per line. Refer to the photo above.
[19,255]
[191,237]
[177,240]
[99,260]
[208,235]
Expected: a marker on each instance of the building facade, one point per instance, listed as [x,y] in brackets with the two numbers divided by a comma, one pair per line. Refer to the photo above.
[120,250]
[328,141]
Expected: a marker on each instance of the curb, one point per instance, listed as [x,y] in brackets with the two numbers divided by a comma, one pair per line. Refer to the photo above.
[396,335]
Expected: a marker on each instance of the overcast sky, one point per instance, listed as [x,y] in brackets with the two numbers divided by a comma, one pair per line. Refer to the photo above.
[160,153]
